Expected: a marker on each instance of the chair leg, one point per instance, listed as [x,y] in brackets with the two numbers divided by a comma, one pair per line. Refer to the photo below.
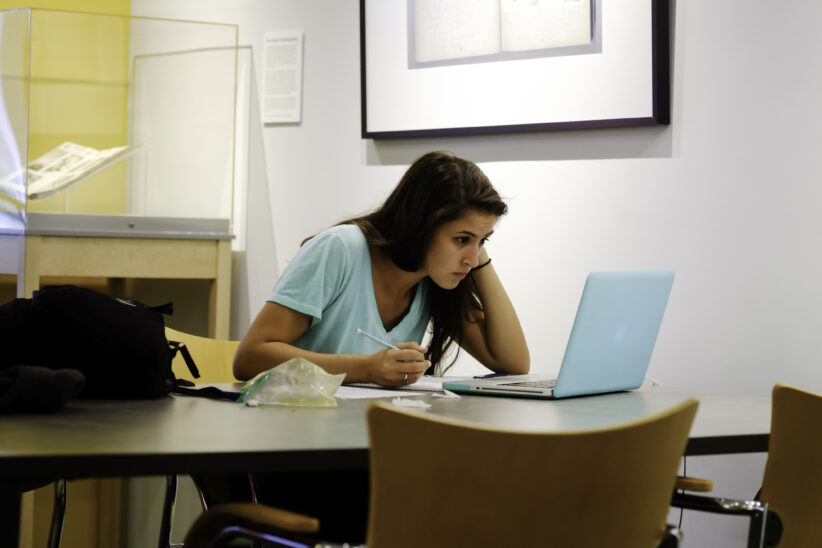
[672,538]
[756,531]
[765,529]
[167,521]
[58,513]
[253,489]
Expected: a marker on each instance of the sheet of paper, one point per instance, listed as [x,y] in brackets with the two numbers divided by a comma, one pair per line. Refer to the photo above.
[348,392]
[425,384]
[282,77]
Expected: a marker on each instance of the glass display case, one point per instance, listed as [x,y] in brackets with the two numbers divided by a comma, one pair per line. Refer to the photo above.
[114,130]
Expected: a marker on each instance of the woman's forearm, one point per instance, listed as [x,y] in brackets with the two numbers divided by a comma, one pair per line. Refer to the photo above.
[502,332]
[252,359]
[389,367]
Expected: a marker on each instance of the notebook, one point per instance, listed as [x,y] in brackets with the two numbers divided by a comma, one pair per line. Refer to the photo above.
[610,345]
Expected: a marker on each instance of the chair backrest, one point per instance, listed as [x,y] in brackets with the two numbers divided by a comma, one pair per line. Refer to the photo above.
[792,485]
[438,482]
[213,357]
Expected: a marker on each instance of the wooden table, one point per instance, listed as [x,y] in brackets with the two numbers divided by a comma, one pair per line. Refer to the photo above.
[179,434]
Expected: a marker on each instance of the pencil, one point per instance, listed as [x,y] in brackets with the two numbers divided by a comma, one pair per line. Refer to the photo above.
[376,339]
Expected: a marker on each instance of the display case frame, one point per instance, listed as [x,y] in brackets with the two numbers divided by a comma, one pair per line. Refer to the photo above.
[145,186]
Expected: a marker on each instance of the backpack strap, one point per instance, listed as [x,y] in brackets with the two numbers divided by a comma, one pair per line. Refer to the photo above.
[177,346]
[164,309]
[211,392]
[184,387]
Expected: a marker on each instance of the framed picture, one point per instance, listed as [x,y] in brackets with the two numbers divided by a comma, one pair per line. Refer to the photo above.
[470,67]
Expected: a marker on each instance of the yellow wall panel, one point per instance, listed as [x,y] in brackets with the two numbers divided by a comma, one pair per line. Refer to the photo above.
[110,7]
[79,93]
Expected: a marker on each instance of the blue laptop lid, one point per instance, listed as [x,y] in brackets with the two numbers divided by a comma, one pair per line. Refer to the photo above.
[614,332]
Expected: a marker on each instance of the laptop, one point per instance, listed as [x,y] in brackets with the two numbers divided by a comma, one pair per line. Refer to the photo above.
[610,345]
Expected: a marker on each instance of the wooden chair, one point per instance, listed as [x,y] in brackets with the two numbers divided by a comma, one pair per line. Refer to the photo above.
[789,505]
[792,484]
[437,482]
[214,359]
[765,524]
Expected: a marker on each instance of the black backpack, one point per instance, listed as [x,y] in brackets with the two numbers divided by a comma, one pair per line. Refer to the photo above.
[119,345]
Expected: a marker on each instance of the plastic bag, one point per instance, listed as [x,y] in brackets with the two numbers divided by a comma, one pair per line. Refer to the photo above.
[297,382]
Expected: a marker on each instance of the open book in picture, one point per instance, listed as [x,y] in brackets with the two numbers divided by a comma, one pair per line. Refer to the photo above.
[459,29]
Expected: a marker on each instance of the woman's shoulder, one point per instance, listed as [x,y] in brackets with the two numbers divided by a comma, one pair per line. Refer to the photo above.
[335,249]
[349,236]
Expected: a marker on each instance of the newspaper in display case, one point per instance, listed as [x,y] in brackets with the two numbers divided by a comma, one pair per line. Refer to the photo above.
[66,165]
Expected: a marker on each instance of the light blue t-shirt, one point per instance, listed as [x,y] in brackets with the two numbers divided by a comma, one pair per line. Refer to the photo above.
[330,280]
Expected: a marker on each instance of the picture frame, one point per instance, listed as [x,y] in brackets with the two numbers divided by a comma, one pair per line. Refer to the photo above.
[621,78]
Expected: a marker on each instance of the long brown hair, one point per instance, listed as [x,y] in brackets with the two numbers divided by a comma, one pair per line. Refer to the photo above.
[438,188]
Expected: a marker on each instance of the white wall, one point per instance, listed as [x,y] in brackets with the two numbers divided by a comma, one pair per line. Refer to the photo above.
[727,195]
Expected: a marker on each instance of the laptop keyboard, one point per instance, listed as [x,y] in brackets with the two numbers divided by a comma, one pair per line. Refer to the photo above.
[551,383]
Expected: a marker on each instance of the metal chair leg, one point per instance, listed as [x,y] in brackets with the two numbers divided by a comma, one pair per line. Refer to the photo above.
[672,538]
[58,513]
[167,521]
[765,529]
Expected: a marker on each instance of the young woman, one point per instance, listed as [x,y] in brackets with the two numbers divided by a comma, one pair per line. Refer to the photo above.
[418,260]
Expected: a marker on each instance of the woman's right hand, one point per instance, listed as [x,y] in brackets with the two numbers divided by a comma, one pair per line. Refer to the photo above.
[406,365]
